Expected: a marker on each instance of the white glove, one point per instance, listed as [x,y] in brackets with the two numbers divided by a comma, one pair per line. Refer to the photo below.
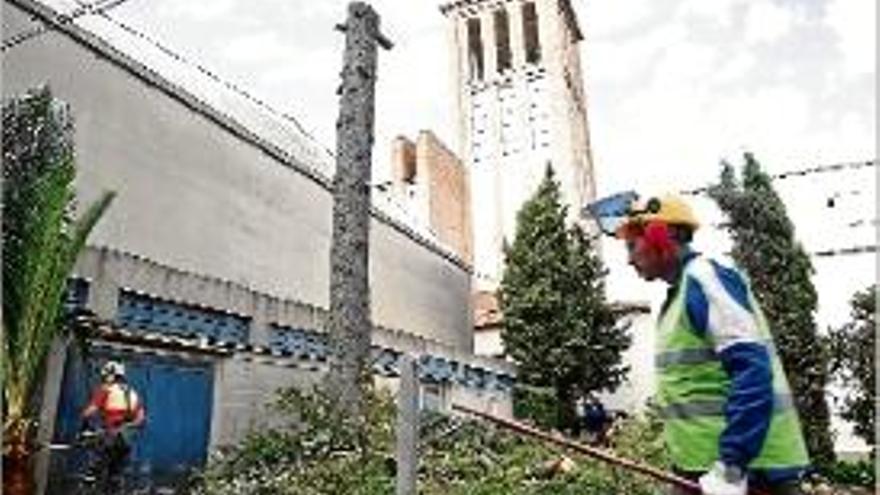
[724,480]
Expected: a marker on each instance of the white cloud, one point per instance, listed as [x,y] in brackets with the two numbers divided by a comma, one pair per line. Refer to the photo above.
[854,23]
[735,68]
[707,8]
[600,19]
[687,64]
[195,10]
[768,22]
[323,65]
[263,47]
[720,12]
[620,60]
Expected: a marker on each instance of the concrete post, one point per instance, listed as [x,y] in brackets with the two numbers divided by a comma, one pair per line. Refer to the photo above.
[103,296]
[349,323]
[407,426]
[48,410]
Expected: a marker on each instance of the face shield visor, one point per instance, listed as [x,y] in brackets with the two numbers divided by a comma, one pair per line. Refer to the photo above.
[611,213]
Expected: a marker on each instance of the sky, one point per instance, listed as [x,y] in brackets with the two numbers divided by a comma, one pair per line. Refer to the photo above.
[673,88]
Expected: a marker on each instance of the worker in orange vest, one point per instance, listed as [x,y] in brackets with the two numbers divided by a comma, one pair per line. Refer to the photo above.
[121,413]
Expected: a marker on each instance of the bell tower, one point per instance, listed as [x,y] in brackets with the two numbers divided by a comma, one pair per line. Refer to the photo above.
[519,106]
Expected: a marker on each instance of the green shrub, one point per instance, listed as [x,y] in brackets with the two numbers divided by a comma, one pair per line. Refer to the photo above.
[640,438]
[315,454]
[858,473]
[468,457]
[536,405]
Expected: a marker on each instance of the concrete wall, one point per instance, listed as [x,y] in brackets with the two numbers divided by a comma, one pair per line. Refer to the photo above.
[640,385]
[244,388]
[487,342]
[197,192]
[245,384]
[633,395]
[246,379]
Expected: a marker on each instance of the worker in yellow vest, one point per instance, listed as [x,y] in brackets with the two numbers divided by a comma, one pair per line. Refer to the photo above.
[729,418]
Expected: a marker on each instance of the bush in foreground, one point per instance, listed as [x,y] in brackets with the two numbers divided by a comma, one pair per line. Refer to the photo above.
[314,453]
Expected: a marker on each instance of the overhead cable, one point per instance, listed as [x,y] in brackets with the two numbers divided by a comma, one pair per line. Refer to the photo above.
[870,248]
[214,77]
[834,167]
[96,8]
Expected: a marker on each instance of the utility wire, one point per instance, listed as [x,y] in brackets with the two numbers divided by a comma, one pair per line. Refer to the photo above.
[214,77]
[98,7]
[834,167]
[863,221]
[829,253]
[869,248]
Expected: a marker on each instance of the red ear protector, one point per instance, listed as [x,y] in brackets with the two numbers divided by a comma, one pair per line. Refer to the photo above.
[656,236]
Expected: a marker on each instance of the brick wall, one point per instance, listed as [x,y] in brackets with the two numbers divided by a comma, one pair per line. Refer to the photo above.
[433,184]
[448,194]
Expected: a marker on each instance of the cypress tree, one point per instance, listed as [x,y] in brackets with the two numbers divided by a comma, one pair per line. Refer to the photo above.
[764,244]
[557,325]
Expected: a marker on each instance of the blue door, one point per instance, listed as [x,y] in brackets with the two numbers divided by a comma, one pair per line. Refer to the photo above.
[178,396]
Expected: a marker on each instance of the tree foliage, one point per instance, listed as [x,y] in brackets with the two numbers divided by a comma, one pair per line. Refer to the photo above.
[312,450]
[852,362]
[41,240]
[313,453]
[558,327]
[764,244]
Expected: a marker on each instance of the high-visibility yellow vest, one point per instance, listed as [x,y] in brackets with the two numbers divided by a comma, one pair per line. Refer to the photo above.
[692,391]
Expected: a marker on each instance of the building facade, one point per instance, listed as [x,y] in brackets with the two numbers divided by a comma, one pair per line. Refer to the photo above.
[209,274]
[432,184]
[519,106]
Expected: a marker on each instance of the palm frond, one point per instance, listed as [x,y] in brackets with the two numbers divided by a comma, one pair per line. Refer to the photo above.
[41,242]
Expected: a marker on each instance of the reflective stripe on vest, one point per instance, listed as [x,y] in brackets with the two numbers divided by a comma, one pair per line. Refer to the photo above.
[690,356]
[692,392]
[121,398]
[693,409]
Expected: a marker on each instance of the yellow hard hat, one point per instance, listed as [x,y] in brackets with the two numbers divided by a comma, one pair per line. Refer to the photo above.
[668,208]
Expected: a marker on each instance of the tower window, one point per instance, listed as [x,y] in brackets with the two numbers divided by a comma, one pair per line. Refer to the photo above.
[502,40]
[530,33]
[475,49]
